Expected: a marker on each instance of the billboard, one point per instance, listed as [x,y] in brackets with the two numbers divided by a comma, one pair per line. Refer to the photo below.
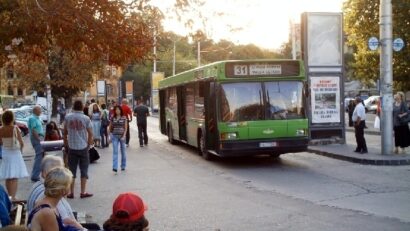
[325,98]
[101,88]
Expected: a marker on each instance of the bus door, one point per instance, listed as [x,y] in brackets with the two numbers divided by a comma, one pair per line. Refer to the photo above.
[162,119]
[211,128]
[181,112]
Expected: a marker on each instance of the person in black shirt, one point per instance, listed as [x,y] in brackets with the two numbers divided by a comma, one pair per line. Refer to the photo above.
[141,112]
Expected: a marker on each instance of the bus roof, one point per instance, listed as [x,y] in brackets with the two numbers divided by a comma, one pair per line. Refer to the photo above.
[234,70]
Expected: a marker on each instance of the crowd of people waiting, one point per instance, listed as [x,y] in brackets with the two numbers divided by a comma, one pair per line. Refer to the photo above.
[401,119]
[53,177]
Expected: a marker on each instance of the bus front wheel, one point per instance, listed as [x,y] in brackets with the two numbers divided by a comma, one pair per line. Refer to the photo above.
[202,148]
[171,139]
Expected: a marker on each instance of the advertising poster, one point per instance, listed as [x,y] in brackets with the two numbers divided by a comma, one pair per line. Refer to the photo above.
[325,95]
[129,87]
[101,88]
[325,39]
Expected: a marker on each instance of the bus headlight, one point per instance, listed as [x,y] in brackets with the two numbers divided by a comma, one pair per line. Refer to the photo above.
[229,136]
[300,132]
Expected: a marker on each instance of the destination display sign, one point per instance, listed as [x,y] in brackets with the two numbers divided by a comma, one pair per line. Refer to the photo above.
[262,69]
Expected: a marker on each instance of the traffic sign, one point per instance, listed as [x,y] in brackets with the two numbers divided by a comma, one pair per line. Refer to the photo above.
[398,44]
[373,43]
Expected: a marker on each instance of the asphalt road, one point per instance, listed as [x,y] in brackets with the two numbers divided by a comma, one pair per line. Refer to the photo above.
[295,192]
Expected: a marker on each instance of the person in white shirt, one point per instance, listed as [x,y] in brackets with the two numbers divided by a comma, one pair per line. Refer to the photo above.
[359,117]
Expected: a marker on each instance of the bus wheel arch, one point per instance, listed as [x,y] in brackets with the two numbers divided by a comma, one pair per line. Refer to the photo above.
[202,145]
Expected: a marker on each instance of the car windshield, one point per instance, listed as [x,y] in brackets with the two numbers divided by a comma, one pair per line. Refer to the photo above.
[261,101]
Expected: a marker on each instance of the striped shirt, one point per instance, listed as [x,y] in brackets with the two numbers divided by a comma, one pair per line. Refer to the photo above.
[77,124]
[118,125]
[37,193]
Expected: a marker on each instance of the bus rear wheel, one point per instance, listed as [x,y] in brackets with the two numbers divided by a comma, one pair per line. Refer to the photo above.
[202,148]
[171,139]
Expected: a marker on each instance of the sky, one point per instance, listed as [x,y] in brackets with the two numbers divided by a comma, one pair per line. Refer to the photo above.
[264,23]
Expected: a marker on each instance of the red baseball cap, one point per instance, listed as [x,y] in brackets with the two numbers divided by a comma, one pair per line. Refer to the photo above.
[128,207]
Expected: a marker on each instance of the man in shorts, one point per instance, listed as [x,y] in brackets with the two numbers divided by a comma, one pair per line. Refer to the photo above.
[78,137]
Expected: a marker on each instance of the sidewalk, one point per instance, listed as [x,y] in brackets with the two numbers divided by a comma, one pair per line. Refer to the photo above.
[374,157]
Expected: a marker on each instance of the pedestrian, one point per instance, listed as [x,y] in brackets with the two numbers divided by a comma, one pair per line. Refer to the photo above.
[61,111]
[105,122]
[12,167]
[52,132]
[85,109]
[127,214]
[359,117]
[78,137]
[141,112]
[111,110]
[45,215]
[5,207]
[36,131]
[401,129]
[37,190]
[95,116]
[126,110]
[118,130]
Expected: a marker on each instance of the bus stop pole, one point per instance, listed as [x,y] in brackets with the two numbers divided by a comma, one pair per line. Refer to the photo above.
[386,76]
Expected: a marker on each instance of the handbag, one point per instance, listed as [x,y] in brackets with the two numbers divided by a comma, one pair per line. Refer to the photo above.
[405,119]
[94,155]
[377,122]
[104,120]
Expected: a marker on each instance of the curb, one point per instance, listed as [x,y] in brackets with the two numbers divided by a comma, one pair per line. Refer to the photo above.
[361,160]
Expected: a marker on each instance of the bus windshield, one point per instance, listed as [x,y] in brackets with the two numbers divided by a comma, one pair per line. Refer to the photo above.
[249,101]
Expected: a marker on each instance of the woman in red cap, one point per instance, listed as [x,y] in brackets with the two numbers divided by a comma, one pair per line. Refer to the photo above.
[127,214]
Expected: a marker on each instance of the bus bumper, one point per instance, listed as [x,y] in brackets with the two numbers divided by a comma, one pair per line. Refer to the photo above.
[259,147]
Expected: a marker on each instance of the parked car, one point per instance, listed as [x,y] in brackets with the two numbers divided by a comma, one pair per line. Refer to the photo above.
[370,103]
[21,125]
[23,128]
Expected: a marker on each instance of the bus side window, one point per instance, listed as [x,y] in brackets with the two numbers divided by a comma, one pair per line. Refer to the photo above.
[199,100]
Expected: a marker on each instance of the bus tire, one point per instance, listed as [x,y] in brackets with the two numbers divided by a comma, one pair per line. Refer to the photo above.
[274,155]
[202,148]
[171,139]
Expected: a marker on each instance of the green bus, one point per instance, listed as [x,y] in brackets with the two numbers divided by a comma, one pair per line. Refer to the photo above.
[236,108]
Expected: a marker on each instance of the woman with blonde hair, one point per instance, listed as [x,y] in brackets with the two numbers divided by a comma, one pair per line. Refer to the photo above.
[12,167]
[401,129]
[45,217]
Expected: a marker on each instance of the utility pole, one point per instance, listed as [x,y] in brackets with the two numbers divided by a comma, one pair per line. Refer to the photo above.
[386,76]
[293,34]
[173,60]
[199,53]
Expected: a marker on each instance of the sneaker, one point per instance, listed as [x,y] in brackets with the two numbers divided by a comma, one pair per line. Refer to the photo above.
[70,196]
[114,170]
[86,194]
[123,169]
[141,145]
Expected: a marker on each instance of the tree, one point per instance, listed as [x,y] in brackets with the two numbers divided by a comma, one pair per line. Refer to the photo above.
[68,39]
[362,22]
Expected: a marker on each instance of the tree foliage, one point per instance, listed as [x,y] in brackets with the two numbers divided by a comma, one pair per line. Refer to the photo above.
[70,40]
[362,22]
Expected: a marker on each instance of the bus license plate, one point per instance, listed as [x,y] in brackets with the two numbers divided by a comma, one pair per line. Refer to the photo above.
[267,144]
